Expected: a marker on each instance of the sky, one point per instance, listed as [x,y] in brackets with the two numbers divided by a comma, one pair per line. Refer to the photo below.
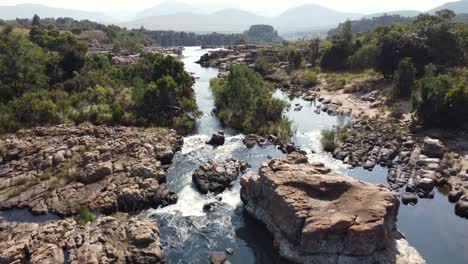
[262,6]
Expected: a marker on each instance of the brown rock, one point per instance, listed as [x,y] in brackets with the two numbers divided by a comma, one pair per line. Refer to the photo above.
[316,214]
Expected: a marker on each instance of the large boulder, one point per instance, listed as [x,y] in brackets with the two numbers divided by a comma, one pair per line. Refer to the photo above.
[216,177]
[217,140]
[433,148]
[320,216]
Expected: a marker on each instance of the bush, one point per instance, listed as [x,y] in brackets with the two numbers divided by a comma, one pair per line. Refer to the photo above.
[34,108]
[3,151]
[328,140]
[84,216]
[307,78]
[441,99]
[295,58]
[263,65]
[335,57]
[364,58]
[405,78]
[244,103]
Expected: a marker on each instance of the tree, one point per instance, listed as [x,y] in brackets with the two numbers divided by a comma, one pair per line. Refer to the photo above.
[295,58]
[335,58]
[22,66]
[36,21]
[446,14]
[405,78]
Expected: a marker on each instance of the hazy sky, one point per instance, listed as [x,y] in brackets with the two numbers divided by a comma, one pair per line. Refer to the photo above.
[265,6]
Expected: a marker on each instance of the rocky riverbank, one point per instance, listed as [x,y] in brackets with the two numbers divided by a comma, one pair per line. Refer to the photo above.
[116,239]
[320,216]
[108,169]
[62,169]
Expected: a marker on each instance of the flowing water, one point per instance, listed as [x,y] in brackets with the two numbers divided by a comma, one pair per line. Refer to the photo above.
[190,235]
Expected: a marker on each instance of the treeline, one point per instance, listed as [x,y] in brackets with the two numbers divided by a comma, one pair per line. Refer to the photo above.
[427,60]
[256,34]
[366,24]
[173,38]
[47,77]
[95,34]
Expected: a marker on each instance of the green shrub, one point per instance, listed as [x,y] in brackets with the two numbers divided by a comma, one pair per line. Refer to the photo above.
[84,216]
[263,65]
[307,78]
[364,58]
[441,99]
[405,78]
[244,103]
[328,140]
[3,150]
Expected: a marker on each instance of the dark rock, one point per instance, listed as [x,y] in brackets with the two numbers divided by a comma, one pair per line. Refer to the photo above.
[455,195]
[216,140]
[409,198]
[461,208]
[216,177]
[433,148]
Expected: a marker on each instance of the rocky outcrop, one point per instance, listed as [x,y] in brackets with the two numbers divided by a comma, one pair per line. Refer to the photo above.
[108,169]
[216,177]
[106,240]
[217,139]
[320,216]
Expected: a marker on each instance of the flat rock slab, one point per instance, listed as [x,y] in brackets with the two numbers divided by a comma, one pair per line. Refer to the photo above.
[316,214]
[106,240]
[57,169]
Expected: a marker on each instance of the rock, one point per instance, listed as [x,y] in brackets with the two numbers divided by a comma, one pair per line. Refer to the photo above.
[433,148]
[455,195]
[317,215]
[230,251]
[213,207]
[461,208]
[218,258]
[216,140]
[215,177]
[103,168]
[97,173]
[123,240]
[409,198]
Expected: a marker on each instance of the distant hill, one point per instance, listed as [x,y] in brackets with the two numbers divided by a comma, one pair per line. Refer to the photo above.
[301,18]
[366,24]
[168,8]
[225,21]
[402,13]
[28,11]
[459,7]
[309,16]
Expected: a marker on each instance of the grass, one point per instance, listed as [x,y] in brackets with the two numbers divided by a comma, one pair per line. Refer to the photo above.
[3,151]
[328,140]
[84,216]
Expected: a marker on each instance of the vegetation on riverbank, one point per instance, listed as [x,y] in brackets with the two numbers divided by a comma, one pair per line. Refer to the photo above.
[243,102]
[47,77]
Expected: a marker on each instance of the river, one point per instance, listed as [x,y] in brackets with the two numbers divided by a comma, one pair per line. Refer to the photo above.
[190,235]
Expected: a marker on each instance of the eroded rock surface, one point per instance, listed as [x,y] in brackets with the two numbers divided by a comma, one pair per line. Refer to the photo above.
[320,216]
[106,240]
[58,169]
[216,177]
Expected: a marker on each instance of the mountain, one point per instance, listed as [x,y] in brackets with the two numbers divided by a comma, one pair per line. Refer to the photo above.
[402,13]
[303,18]
[28,11]
[460,7]
[168,8]
[224,21]
[308,17]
